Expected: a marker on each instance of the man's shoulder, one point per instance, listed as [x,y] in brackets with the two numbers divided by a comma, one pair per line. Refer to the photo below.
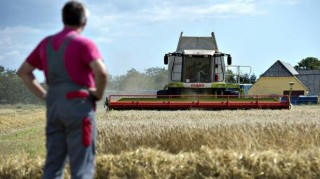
[45,39]
[83,40]
[43,42]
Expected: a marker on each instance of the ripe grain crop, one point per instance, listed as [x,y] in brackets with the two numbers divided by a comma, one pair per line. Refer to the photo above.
[176,131]
[181,144]
[21,130]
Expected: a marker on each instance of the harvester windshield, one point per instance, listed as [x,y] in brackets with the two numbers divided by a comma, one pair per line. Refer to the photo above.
[202,69]
[197,69]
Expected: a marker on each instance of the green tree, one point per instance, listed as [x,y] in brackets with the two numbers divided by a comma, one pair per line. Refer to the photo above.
[1,69]
[134,80]
[230,77]
[309,63]
[157,78]
[151,79]
[13,90]
[252,79]
[248,79]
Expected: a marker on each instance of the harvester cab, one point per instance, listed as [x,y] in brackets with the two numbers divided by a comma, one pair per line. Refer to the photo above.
[198,77]
[198,67]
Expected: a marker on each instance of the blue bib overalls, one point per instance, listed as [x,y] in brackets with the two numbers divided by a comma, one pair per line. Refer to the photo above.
[71,125]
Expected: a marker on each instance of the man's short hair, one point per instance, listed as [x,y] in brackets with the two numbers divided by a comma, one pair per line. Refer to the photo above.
[74,14]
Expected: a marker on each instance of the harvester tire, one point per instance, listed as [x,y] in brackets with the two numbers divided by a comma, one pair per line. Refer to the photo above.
[162,94]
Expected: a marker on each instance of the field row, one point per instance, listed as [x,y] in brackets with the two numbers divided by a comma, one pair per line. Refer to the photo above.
[206,163]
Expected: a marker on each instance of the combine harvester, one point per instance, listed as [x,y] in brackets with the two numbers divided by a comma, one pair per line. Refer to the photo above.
[198,80]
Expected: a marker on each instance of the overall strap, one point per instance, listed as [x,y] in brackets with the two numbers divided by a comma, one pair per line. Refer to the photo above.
[57,73]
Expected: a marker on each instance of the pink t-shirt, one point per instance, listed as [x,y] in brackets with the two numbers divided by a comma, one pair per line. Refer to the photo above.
[79,53]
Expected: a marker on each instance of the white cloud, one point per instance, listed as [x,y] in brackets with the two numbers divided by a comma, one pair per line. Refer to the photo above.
[13,53]
[16,36]
[113,18]
[292,2]
[288,2]
[18,30]
[209,11]
[16,43]
[167,11]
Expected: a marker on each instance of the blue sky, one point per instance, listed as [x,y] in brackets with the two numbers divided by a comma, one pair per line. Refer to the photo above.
[136,34]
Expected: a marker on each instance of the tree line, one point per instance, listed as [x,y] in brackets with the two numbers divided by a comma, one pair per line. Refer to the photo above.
[245,78]
[151,79]
[12,89]
[309,63]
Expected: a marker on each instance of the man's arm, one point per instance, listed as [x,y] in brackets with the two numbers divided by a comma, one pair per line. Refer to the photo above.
[25,72]
[100,78]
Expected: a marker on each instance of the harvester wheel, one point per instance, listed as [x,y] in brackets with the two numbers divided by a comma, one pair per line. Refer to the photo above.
[106,104]
[162,94]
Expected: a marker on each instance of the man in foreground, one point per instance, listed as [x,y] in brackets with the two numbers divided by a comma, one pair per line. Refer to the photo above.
[76,78]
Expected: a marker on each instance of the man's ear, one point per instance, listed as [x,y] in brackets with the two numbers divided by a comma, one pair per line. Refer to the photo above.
[83,25]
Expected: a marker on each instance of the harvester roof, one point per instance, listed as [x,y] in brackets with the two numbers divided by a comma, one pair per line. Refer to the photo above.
[193,43]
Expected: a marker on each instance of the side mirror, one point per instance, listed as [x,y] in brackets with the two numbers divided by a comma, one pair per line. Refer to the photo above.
[165,60]
[229,60]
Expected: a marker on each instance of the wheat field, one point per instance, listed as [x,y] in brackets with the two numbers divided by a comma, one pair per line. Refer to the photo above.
[176,144]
